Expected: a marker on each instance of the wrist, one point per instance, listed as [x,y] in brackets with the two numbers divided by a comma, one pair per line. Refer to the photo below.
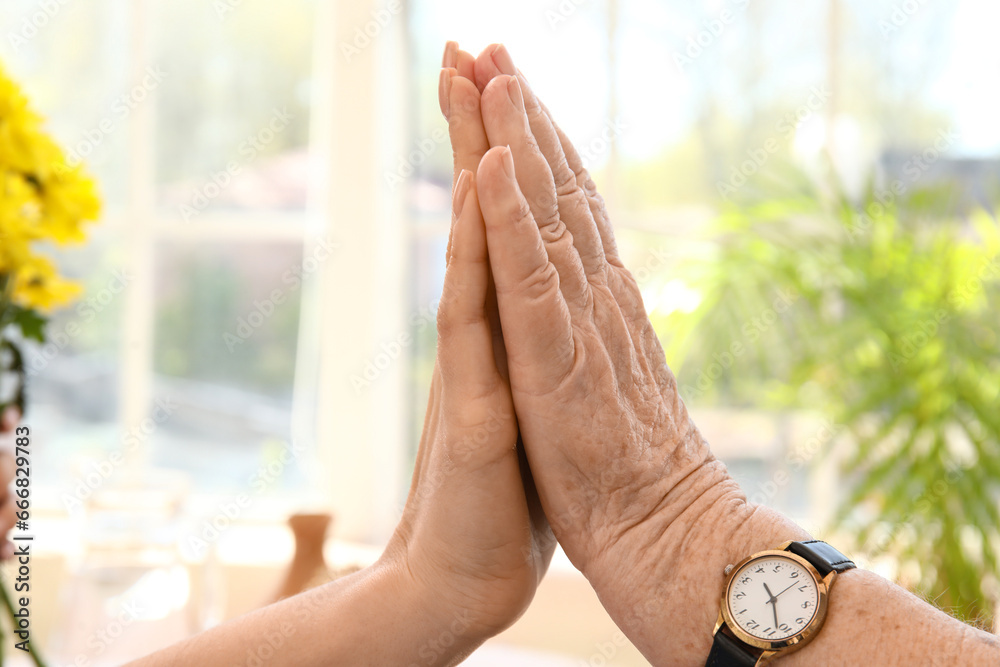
[662,584]
[439,633]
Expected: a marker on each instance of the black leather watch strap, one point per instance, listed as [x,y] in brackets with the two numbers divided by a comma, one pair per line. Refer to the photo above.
[823,557]
[729,652]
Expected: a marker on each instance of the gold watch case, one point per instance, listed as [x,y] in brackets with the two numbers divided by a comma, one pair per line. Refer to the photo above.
[773,649]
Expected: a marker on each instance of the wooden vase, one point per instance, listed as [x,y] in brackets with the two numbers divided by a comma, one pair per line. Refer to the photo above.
[308,566]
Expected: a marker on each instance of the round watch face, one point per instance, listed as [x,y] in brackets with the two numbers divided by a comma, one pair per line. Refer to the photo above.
[772,598]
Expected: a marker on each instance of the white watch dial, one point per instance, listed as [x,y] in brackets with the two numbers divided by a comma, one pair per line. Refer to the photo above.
[773,598]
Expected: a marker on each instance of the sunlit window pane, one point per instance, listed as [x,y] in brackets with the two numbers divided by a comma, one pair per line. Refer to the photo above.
[227,318]
[232,106]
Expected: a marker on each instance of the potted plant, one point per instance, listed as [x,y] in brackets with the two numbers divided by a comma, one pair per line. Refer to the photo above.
[894,334]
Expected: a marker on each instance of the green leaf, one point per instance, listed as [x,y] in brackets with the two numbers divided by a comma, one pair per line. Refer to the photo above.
[31,324]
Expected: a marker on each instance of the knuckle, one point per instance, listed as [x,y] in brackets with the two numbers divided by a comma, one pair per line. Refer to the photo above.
[520,212]
[445,324]
[540,283]
[467,105]
[536,114]
[446,315]
[555,233]
[547,205]
[452,316]
[565,179]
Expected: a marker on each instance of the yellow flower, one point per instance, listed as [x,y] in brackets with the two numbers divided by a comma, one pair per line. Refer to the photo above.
[42,199]
[37,286]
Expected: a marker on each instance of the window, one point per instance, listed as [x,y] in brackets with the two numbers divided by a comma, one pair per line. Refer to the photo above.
[217,266]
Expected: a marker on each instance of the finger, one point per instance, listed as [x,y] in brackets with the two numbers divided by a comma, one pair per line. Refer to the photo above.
[487,69]
[506,123]
[432,424]
[433,417]
[595,201]
[444,90]
[466,66]
[574,208]
[537,328]
[469,144]
[450,57]
[465,124]
[465,343]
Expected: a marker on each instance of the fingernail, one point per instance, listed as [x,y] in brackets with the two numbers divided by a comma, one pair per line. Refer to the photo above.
[503,61]
[461,191]
[514,92]
[450,57]
[507,159]
[444,90]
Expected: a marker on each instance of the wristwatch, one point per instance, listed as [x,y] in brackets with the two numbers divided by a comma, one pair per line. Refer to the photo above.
[774,603]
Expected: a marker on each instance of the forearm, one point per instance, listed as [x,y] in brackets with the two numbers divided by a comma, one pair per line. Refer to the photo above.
[373,617]
[872,621]
[676,592]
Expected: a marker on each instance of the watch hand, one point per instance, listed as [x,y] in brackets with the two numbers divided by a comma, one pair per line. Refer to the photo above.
[769,593]
[785,589]
[774,604]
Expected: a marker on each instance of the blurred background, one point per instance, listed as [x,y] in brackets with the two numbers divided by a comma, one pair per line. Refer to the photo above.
[804,191]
